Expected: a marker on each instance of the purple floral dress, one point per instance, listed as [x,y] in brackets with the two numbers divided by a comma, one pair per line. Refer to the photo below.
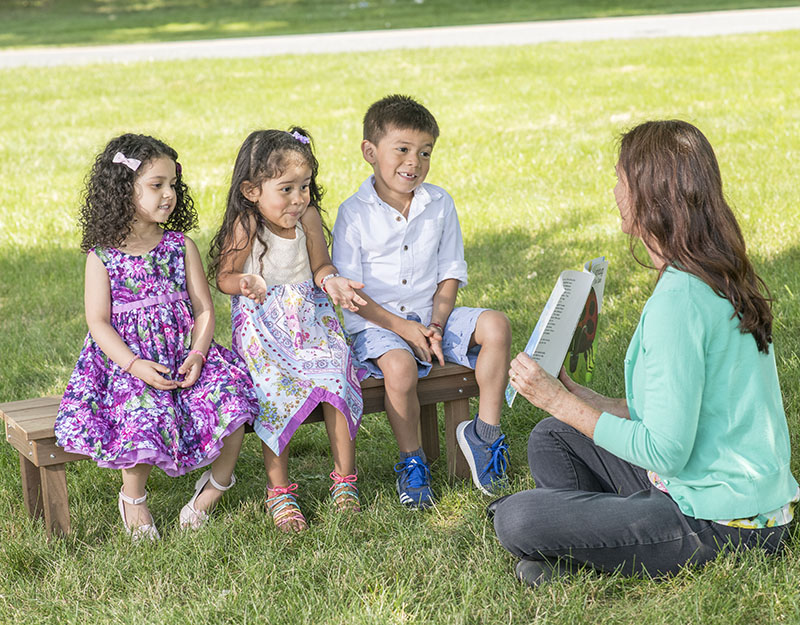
[120,421]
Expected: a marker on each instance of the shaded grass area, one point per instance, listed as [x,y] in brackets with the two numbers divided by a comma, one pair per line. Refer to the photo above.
[47,22]
[527,150]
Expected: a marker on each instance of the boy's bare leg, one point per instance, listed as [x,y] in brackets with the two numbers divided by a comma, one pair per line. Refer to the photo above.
[402,404]
[402,407]
[480,439]
[493,334]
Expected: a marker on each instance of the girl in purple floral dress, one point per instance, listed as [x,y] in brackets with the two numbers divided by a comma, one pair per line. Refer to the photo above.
[151,388]
[270,255]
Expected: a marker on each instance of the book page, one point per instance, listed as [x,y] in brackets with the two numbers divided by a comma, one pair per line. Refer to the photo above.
[598,267]
[553,332]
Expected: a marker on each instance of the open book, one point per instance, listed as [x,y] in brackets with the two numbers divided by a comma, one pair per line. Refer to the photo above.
[567,327]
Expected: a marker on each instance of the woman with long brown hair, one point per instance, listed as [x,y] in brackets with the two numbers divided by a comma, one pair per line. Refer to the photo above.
[695,459]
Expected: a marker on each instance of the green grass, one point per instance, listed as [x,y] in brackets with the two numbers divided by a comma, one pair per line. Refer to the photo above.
[66,22]
[527,150]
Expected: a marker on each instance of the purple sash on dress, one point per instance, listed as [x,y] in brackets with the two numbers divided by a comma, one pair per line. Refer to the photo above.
[166,298]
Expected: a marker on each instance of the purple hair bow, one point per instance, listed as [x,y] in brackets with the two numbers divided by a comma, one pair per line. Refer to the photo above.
[130,163]
[301,138]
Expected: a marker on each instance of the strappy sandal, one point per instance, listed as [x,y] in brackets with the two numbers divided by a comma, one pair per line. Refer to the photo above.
[140,532]
[284,509]
[344,492]
[191,518]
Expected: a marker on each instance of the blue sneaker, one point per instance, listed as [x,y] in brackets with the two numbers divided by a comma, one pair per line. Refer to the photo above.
[487,463]
[414,483]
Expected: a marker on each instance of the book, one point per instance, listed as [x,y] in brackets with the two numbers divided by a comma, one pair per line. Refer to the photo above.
[566,329]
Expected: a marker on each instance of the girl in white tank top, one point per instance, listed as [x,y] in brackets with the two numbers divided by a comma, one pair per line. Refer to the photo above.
[270,255]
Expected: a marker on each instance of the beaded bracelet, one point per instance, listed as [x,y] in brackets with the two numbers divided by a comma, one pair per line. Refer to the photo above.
[199,353]
[127,367]
[325,279]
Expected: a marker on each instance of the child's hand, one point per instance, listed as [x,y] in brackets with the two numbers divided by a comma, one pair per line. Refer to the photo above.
[190,369]
[435,342]
[254,287]
[342,292]
[148,372]
[418,338]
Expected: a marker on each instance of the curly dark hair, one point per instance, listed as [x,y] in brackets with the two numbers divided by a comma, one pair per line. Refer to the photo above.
[108,201]
[265,154]
[678,208]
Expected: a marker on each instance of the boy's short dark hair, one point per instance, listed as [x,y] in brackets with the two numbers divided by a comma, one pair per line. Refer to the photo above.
[400,111]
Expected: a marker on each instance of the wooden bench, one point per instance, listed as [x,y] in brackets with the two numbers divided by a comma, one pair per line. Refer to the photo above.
[29,428]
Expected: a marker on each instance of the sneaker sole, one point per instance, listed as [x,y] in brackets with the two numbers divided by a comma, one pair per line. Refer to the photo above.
[464,445]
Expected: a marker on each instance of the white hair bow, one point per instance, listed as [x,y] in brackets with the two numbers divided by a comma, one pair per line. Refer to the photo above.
[131,163]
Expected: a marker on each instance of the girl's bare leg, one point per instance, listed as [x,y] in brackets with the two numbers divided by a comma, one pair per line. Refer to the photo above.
[344,492]
[221,470]
[133,483]
[343,448]
[277,468]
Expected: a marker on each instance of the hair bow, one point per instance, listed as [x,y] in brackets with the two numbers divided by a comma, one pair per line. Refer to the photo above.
[301,138]
[130,163]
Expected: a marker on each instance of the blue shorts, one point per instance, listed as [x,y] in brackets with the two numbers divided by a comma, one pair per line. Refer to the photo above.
[372,343]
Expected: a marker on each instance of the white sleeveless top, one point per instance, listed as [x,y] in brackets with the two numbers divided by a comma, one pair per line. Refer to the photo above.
[286,260]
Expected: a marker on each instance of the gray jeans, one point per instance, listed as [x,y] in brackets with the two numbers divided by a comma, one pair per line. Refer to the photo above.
[592,508]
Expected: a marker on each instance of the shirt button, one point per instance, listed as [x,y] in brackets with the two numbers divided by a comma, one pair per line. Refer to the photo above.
[402,309]
[404,281]
[398,218]
[405,248]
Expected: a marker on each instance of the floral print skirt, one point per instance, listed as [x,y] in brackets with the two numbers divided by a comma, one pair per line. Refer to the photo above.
[298,358]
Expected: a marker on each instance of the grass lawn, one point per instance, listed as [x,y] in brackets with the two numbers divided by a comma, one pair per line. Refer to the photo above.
[527,150]
[65,22]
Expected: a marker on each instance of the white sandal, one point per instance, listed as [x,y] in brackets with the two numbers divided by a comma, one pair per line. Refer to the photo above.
[194,519]
[141,532]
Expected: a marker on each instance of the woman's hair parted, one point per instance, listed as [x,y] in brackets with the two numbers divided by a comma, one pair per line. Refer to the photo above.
[678,208]
[264,155]
[108,203]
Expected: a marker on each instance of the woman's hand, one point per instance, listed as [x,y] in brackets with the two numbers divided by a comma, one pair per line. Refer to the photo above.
[149,373]
[551,395]
[253,287]
[534,383]
[190,369]
[581,392]
[616,406]
[342,292]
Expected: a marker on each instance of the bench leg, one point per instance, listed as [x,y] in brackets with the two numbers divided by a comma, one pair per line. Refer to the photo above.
[429,431]
[55,500]
[31,487]
[455,412]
